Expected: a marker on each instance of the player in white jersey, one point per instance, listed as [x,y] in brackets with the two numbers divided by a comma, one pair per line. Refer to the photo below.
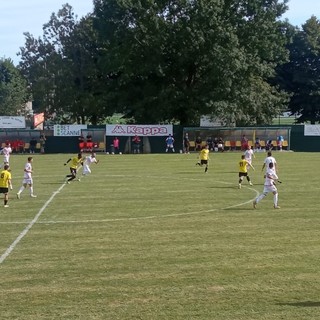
[269,186]
[248,155]
[6,151]
[27,179]
[267,161]
[87,162]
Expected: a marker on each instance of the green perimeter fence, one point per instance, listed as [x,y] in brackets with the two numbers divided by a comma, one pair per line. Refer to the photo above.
[292,134]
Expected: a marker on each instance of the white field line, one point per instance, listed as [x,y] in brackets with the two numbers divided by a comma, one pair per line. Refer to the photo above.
[28,227]
[139,218]
[37,216]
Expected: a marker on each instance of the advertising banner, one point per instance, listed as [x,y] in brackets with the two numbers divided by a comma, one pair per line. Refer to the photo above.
[68,130]
[8,122]
[312,130]
[153,130]
[38,118]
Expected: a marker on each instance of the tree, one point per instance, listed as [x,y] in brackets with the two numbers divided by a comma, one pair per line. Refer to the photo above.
[13,89]
[62,69]
[173,61]
[300,76]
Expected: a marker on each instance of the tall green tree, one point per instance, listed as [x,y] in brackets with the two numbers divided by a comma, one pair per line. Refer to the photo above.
[13,89]
[301,75]
[62,69]
[172,61]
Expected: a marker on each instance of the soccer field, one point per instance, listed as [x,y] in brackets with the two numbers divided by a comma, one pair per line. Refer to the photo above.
[153,237]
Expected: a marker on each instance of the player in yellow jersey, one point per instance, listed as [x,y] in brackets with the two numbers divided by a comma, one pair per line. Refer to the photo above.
[75,162]
[243,170]
[204,158]
[5,183]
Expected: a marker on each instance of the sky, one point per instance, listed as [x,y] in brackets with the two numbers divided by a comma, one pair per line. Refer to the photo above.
[19,16]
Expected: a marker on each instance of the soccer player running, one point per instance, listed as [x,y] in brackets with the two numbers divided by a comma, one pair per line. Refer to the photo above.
[249,154]
[267,161]
[75,162]
[243,170]
[87,162]
[6,151]
[269,186]
[5,184]
[204,157]
[27,179]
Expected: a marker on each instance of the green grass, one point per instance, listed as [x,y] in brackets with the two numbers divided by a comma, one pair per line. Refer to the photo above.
[284,121]
[154,237]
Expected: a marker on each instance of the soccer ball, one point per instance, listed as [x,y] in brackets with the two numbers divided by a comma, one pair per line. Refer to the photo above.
[120,152]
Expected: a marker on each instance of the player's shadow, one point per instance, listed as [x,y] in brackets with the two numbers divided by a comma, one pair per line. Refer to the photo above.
[301,304]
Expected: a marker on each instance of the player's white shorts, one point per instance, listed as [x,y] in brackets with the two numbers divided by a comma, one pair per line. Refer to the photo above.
[27,181]
[268,189]
[86,169]
[6,158]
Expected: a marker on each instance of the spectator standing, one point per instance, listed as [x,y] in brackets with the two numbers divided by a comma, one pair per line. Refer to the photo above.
[27,179]
[81,143]
[170,143]
[280,140]
[89,144]
[32,145]
[136,144]
[42,142]
[20,146]
[244,143]
[5,184]
[116,145]
[14,145]
[186,143]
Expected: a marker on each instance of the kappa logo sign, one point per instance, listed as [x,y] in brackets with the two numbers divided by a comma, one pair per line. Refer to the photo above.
[142,130]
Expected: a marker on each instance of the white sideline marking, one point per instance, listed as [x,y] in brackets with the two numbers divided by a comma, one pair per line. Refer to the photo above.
[141,218]
[37,216]
[28,227]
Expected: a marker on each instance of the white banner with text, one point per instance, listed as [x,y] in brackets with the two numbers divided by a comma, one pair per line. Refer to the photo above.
[68,130]
[312,130]
[152,130]
[7,122]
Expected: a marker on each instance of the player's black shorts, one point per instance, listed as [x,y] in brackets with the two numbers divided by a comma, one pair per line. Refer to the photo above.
[204,161]
[4,190]
[243,174]
[73,171]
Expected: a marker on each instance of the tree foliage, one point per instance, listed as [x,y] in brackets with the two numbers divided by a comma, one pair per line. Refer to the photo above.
[62,69]
[176,60]
[13,89]
[301,75]
[167,61]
